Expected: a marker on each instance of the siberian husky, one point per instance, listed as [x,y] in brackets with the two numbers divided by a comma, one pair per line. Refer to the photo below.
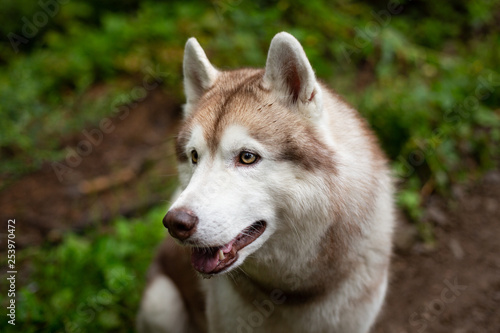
[286,206]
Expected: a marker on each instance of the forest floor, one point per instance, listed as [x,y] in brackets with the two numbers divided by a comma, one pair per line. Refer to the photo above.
[453,287]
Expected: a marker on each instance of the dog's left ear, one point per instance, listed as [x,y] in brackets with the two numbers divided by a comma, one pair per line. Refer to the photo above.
[199,74]
[289,72]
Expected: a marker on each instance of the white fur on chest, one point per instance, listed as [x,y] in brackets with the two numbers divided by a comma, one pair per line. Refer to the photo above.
[228,312]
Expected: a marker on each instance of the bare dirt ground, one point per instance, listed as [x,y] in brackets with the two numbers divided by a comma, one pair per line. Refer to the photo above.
[453,287]
[130,170]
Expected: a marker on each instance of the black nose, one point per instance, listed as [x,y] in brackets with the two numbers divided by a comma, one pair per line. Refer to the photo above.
[180,223]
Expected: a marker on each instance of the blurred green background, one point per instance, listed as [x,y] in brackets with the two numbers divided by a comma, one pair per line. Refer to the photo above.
[425,74]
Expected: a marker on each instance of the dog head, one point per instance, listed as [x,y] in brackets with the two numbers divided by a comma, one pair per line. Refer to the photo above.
[248,136]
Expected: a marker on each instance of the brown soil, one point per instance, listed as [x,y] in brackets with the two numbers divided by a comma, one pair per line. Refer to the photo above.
[132,169]
[454,287]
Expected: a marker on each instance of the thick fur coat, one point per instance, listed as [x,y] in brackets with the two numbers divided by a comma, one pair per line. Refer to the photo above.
[315,206]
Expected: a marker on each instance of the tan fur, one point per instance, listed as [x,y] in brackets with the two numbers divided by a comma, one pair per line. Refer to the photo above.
[240,91]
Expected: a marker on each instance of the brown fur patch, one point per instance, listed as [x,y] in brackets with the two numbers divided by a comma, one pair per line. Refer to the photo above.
[174,261]
[238,97]
[293,80]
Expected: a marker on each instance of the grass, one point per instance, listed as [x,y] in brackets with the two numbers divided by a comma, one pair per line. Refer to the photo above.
[88,283]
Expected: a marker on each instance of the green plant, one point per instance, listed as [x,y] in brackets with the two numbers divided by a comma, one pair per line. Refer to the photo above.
[87,283]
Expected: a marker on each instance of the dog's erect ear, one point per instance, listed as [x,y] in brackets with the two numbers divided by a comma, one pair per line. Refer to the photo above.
[289,72]
[199,74]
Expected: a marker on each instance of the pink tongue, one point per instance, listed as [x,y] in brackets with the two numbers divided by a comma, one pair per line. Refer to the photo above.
[204,261]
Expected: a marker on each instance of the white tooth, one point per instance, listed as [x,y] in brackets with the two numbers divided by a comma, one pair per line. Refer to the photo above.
[221,255]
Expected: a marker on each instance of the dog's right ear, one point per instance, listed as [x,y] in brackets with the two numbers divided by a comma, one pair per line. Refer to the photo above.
[199,74]
[290,74]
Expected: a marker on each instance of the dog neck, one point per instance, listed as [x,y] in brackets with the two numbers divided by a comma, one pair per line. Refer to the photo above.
[298,280]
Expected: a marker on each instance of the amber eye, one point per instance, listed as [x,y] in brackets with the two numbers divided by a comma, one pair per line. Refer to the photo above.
[247,158]
[194,156]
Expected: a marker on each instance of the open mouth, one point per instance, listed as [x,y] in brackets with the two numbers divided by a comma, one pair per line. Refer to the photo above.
[212,260]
